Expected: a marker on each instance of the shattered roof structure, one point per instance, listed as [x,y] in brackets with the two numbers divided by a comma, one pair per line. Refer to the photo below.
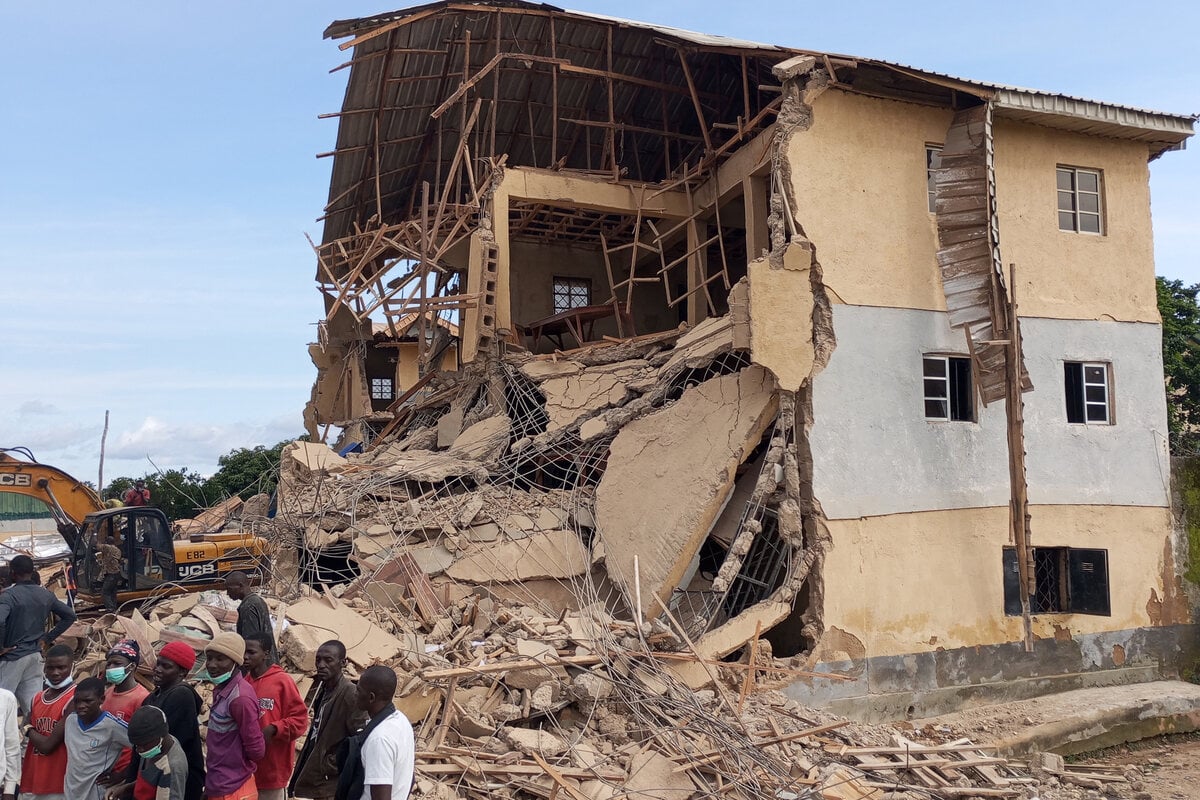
[567,84]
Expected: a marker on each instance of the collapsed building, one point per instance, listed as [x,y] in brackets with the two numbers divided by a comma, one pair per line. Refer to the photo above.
[723,337]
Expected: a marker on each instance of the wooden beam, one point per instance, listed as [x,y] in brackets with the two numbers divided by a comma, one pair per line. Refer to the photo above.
[466,85]
[687,74]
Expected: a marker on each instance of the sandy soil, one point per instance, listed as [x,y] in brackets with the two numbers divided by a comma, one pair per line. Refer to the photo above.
[1169,766]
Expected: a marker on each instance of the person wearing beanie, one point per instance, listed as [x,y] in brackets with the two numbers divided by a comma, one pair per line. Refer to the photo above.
[124,694]
[282,715]
[180,705]
[162,770]
[45,761]
[235,740]
[94,739]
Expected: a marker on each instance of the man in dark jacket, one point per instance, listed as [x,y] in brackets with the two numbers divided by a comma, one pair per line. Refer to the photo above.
[253,615]
[334,717]
[25,608]
[181,706]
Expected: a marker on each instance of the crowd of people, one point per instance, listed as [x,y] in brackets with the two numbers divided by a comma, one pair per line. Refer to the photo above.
[111,738]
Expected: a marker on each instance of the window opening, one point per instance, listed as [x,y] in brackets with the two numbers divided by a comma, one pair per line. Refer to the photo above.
[947,384]
[1087,393]
[933,162]
[1068,580]
[571,293]
[1079,208]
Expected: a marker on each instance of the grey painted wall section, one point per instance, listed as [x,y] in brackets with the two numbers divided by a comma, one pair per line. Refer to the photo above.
[874,453]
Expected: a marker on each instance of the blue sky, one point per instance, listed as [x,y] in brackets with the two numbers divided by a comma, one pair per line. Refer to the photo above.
[159,175]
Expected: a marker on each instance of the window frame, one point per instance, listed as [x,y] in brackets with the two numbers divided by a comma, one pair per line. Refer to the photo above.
[1079,408]
[1076,594]
[391,388]
[1075,193]
[570,284]
[956,367]
[932,148]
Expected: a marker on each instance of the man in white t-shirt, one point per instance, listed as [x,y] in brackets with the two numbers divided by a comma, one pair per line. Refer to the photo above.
[389,750]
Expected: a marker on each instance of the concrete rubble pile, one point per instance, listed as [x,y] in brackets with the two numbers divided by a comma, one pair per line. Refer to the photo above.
[552,552]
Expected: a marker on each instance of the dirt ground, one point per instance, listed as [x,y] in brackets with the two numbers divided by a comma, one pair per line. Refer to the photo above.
[1169,766]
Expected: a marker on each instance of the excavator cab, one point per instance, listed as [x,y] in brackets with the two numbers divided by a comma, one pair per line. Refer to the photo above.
[147,551]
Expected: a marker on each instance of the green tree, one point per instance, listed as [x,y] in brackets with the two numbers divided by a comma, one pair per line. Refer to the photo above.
[246,471]
[1177,304]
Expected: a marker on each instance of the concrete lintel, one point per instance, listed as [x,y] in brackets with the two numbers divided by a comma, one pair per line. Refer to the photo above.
[574,190]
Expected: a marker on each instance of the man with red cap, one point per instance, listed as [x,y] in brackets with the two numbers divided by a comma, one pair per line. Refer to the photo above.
[181,706]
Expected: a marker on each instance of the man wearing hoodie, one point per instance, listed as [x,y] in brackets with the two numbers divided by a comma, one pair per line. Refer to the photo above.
[235,740]
[282,714]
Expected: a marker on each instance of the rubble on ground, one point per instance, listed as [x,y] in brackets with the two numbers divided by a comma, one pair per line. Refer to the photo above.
[570,613]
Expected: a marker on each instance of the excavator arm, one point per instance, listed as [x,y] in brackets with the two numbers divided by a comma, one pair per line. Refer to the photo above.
[68,499]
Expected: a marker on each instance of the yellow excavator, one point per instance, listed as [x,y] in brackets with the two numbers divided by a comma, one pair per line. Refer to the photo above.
[153,563]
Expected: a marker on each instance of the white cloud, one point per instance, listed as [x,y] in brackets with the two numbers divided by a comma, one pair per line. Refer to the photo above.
[33,408]
[198,446]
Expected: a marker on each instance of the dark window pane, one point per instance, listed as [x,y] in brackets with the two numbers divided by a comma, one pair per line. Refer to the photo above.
[1094,374]
[1089,223]
[936,409]
[1097,413]
[1087,572]
[1095,394]
[1066,221]
[1088,181]
[962,406]
[1088,202]
[935,387]
[1066,201]
[934,368]
[1073,380]
[1065,180]
[1012,582]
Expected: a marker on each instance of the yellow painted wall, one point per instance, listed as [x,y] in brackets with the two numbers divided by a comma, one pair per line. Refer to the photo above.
[860,192]
[406,364]
[943,584]
[1069,275]
[860,195]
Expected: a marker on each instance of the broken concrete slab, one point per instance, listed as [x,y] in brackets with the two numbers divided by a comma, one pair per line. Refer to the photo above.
[313,458]
[702,343]
[781,325]
[483,441]
[648,507]
[449,426]
[551,554]
[577,395]
[542,369]
[365,642]
[653,777]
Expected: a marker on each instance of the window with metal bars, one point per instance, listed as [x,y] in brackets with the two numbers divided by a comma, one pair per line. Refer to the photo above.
[763,569]
[947,383]
[571,293]
[1079,200]
[382,389]
[1089,400]
[1068,580]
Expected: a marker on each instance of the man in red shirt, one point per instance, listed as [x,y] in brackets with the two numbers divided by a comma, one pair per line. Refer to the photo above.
[124,694]
[139,495]
[282,715]
[45,762]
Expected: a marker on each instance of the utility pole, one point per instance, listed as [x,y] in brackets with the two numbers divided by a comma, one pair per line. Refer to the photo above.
[103,440]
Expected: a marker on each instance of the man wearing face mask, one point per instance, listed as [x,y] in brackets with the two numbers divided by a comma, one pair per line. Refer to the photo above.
[181,706]
[163,772]
[235,740]
[124,694]
[45,761]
